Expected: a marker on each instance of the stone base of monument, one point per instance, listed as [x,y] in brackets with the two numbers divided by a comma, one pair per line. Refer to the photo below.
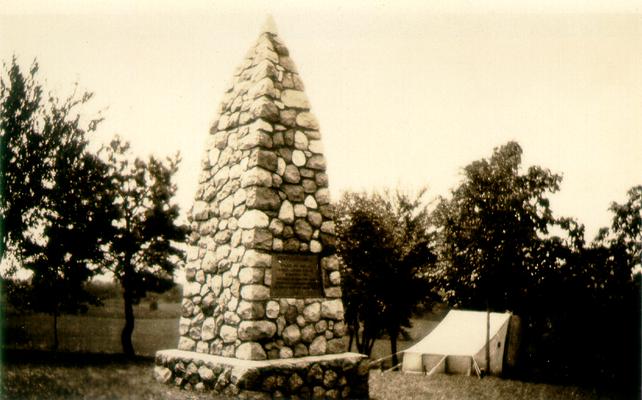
[333,376]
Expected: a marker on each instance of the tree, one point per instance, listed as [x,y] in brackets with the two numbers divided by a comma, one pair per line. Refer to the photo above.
[143,251]
[21,144]
[385,247]
[492,230]
[626,228]
[54,215]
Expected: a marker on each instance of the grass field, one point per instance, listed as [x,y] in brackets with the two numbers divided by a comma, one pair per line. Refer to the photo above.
[88,364]
[98,331]
[46,375]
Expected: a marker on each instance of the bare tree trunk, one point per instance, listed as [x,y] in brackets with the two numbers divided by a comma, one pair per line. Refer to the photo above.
[128,329]
[393,347]
[55,331]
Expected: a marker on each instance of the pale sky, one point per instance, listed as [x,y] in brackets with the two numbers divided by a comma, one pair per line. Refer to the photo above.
[407,93]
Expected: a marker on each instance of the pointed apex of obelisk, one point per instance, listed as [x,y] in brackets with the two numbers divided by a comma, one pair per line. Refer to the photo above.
[269,26]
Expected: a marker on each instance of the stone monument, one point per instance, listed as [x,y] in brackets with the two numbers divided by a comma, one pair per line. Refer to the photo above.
[262,314]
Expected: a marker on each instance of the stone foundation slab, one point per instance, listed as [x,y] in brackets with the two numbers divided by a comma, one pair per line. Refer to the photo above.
[334,376]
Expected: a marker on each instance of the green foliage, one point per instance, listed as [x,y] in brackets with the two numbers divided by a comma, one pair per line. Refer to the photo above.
[386,250]
[54,219]
[143,251]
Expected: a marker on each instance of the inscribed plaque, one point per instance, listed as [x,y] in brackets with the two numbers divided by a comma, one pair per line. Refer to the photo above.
[296,275]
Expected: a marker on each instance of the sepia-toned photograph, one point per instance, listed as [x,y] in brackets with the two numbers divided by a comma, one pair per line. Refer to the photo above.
[381,200]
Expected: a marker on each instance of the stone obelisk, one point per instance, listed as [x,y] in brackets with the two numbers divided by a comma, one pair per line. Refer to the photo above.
[262,309]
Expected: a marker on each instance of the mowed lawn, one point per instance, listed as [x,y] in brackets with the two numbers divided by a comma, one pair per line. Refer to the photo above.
[98,331]
[47,375]
[88,365]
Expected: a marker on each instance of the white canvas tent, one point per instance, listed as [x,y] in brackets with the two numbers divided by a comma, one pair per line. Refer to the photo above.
[458,345]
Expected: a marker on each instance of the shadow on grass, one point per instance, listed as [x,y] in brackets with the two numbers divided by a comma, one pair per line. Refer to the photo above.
[34,374]
[12,357]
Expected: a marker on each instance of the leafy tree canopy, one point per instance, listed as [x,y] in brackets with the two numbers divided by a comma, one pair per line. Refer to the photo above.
[492,229]
[144,249]
[53,221]
[386,249]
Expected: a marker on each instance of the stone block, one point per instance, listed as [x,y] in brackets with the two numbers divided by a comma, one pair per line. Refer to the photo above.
[253,219]
[250,351]
[332,309]
[262,198]
[295,99]
[256,330]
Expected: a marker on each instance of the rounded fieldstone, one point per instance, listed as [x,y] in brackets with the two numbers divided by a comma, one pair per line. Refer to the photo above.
[330,263]
[280,166]
[316,162]
[301,350]
[276,227]
[280,324]
[185,343]
[315,246]
[336,346]
[208,328]
[291,334]
[332,309]
[250,351]
[255,292]
[262,198]
[303,229]
[184,325]
[272,309]
[318,392]
[253,219]
[250,275]
[309,186]
[315,374]
[217,284]
[286,212]
[250,309]
[291,174]
[335,278]
[295,99]
[293,193]
[256,330]
[323,196]
[300,210]
[285,352]
[291,245]
[318,346]
[277,244]
[295,382]
[314,218]
[298,158]
[300,141]
[308,333]
[312,312]
[330,378]
[307,120]
[191,289]
[228,334]
[162,374]
[310,202]
[315,146]
[321,326]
